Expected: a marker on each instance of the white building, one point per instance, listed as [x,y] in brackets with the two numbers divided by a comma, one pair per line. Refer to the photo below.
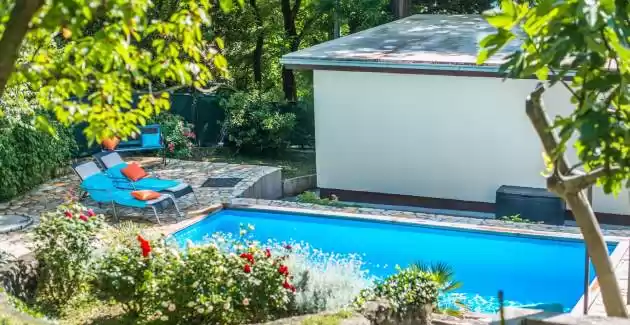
[403,115]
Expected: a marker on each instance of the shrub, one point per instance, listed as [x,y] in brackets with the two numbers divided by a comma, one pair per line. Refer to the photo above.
[256,123]
[303,133]
[224,282]
[313,198]
[407,291]
[64,243]
[30,156]
[178,135]
[325,281]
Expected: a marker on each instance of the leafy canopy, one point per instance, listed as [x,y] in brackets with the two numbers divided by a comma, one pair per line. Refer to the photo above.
[87,75]
[584,46]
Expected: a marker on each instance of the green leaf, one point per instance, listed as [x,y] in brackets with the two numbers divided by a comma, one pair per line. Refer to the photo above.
[500,20]
[42,124]
[492,43]
[508,7]
[542,73]
[219,42]
[226,5]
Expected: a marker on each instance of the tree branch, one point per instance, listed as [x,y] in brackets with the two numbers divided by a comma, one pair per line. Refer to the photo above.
[577,183]
[535,109]
[13,37]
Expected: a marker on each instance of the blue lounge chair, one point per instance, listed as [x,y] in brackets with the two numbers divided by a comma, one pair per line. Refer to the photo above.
[113,164]
[150,138]
[102,189]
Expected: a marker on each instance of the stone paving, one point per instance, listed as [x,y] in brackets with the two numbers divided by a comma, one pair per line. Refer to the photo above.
[48,196]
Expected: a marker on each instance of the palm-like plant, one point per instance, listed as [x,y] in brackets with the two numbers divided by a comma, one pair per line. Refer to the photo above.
[444,275]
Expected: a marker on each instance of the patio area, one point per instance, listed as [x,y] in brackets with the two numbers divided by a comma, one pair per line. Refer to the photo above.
[255,182]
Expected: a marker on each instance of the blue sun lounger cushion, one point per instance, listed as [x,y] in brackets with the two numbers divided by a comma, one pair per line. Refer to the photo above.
[102,189]
[113,164]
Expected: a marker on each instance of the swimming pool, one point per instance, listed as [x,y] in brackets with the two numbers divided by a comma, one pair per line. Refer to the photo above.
[529,270]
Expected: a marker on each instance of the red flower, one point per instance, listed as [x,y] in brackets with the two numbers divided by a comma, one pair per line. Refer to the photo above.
[91,213]
[248,256]
[84,218]
[171,147]
[267,252]
[145,246]
[68,214]
[288,286]
[283,269]
[247,268]
[288,247]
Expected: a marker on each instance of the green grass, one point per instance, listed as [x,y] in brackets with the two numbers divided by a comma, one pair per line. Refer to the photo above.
[293,163]
[334,319]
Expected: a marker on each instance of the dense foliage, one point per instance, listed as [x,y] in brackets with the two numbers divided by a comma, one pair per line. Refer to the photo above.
[225,282]
[133,48]
[28,155]
[65,242]
[177,134]
[408,290]
[256,122]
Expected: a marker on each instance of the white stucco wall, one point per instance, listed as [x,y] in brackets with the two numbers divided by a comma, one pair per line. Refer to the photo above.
[433,136]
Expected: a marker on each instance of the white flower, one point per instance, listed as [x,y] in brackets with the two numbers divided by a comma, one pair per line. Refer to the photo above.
[200,310]
[171,307]
[164,304]
[246,302]
[158,313]
[226,306]
[195,284]
[250,227]
[210,308]
[164,318]
[190,304]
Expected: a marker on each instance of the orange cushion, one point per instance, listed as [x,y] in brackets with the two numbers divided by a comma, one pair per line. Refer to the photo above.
[110,144]
[134,172]
[145,195]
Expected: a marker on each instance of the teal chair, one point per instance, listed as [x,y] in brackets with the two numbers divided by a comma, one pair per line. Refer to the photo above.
[113,164]
[149,139]
[103,189]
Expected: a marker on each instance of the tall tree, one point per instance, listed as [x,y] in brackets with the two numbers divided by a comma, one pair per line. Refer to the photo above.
[131,50]
[588,40]
[307,13]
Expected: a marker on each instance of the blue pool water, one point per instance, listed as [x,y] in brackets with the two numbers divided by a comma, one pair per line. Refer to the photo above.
[529,270]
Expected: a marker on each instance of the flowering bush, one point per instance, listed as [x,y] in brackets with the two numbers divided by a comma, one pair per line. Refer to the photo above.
[324,281]
[124,273]
[64,244]
[205,285]
[409,290]
[178,135]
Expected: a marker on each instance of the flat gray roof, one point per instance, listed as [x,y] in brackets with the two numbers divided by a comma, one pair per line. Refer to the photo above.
[421,42]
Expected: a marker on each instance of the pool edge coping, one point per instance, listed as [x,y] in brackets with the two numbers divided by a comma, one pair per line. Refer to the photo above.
[616,258]
[420,222]
[623,243]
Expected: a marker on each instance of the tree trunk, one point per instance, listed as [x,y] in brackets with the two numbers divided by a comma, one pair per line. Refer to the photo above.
[288,16]
[400,8]
[597,250]
[573,194]
[288,85]
[258,51]
[13,37]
